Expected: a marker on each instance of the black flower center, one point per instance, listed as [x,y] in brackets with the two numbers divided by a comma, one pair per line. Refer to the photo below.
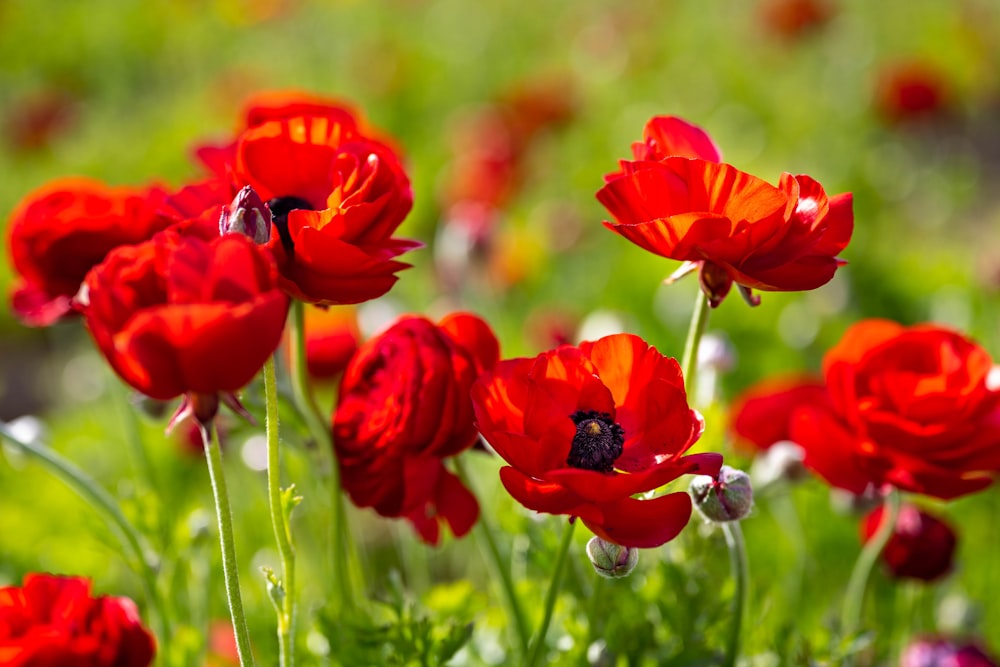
[280,208]
[598,441]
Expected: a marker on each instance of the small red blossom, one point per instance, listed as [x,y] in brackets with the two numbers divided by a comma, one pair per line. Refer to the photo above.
[910,407]
[182,315]
[583,429]
[332,338]
[731,226]
[921,547]
[63,229]
[403,407]
[761,414]
[54,621]
[910,91]
[944,652]
[792,19]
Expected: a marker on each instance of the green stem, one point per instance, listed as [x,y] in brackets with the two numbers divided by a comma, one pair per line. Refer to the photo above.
[550,598]
[95,495]
[279,521]
[854,599]
[689,362]
[342,546]
[484,532]
[741,575]
[230,569]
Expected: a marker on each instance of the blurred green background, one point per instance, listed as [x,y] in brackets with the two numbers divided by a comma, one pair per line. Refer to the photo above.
[121,90]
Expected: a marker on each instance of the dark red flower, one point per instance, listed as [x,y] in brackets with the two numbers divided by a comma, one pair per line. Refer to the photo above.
[63,229]
[910,91]
[403,407]
[585,428]
[182,315]
[54,621]
[909,407]
[922,546]
[944,652]
[730,225]
[761,415]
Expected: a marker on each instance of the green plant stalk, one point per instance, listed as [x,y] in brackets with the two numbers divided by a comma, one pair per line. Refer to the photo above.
[230,568]
[485,533]
[854,599]
[699,321]
[342,545]
[741,576]
[550,597]
[279,521]
[105,504]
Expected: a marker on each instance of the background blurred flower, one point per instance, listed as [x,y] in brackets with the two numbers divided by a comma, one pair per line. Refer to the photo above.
[761,415]
[921,547]
[403,407]
[943,652]
[63,229]
[332,338]
[793,19]
[179,315]
[54,621]
[585,428]
[910,407]
[909,91]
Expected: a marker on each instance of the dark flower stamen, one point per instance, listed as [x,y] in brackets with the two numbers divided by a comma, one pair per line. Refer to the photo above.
[598,441]
[280,208]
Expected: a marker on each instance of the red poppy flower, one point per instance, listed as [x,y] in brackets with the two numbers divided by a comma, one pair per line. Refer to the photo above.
[54,621]
[921,547]
[909,407]
[63,229]
[585,428]
[182,315]
[943,652]
[403,407]
[761,415]
[677,201]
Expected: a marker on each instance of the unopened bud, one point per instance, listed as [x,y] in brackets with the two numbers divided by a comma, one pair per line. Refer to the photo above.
[728,497]
[611,560]
[247,215]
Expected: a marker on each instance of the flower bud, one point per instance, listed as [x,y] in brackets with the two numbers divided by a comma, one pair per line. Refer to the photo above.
[728,497]
[247,215]
[611,560]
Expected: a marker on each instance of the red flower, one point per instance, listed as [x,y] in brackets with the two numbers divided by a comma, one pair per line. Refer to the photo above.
[332,338]
[63,229]
[403,407]
[795,18]
[922,546]
[585,429]
[761,415]
[944,652]
[732,226]
[181,315]
[909,407]
[55,622]
[910,91]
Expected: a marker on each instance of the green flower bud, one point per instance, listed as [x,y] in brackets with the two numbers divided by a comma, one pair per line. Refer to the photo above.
[728,497]
[611,560]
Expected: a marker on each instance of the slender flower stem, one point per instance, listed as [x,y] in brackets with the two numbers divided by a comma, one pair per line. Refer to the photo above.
[484,532]
[105,504]
[854,599]
[550,598]
[741,575]
[230,569]
[279,520]
[689,362]
[342,545]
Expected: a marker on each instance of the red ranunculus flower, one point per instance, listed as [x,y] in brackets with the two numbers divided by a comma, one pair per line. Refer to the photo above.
[332,338]
[585,428]
[403,407]
[732,226]
[182,315]
[54,621]
[922,546]
[761,415]
[944,652]
[909,407]
[63,229]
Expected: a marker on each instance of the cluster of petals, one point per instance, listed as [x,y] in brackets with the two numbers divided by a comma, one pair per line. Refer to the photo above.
[337,195]
[186,313]
[921,547]
[526,408]
[677,200]
[911,407]
[403,408]
[53,621]
[60,231]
